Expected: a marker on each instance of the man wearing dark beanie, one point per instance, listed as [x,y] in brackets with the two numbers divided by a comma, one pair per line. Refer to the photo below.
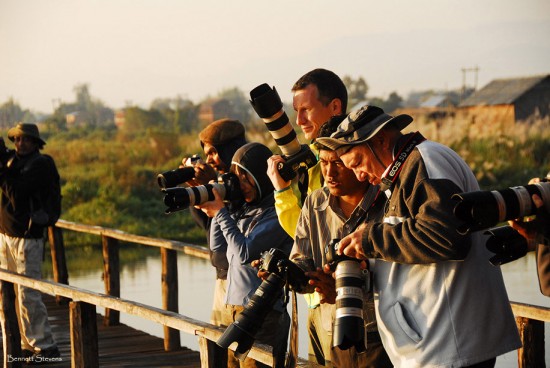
[219,141]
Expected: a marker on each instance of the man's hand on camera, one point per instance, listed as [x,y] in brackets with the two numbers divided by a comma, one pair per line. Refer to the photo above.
[261,273]
[204,174]
[324,284]
[534,231]
[211,208]
[352,245]
[273,172]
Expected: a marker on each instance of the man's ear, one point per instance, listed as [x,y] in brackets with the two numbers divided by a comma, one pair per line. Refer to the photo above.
[336,107]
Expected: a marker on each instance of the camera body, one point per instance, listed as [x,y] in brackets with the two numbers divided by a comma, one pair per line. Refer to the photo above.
[483,209]
[281,271]
[276,262]
[349,325]
[177,199]
[268,105]
[173,178]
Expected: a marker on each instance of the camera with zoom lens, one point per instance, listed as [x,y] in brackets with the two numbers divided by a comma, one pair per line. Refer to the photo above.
[268,105]
[483,209]
[178,198]
[351,280]
[507,244]
[282,272]
[173,178]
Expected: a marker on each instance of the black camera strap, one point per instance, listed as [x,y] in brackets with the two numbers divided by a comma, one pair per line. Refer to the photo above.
[391,175]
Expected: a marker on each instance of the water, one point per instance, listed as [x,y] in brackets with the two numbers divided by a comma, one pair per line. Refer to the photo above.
[141,281]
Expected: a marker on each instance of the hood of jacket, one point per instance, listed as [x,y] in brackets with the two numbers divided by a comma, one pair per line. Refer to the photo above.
[252,157]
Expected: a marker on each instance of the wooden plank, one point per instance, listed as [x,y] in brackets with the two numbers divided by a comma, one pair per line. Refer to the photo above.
[10,327]
[170,295]
[190,249]
[83,328]
[111,276]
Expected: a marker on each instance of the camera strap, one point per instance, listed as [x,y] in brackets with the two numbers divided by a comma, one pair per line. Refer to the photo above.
[392,173]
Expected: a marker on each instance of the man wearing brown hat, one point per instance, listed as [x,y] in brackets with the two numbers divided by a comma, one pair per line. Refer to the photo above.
[24,183]
[439,302]
[219,140]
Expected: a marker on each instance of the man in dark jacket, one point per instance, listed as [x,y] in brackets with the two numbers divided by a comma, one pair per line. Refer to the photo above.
[219,140]
[24,182]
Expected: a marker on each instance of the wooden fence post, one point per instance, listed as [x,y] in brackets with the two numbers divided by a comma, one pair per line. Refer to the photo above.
[10,327]
[212,355]
[111,277]
[169,282]
[84,345]
[59,262]
[531,332]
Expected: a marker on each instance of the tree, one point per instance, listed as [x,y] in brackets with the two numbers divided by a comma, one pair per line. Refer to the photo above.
[11,113]
[240,106]
[357,90]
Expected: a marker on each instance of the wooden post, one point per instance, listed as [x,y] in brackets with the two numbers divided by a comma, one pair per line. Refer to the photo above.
[10,327]
[59,263]
[531,332]
[84,345]
[111,277]
[212,355]
[170,295]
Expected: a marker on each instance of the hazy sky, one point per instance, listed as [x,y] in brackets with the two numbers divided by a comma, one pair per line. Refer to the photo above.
[138,50]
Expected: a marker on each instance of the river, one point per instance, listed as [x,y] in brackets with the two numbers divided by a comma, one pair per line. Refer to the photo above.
[140,281]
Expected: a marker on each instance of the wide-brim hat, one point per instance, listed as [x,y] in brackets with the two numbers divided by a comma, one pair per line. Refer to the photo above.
[361,125]
[30,130]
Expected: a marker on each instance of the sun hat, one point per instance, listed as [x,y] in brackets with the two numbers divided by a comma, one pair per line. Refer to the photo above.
[30,130]
[361,125]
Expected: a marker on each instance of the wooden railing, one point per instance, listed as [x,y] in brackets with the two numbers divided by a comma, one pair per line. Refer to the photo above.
[530,319]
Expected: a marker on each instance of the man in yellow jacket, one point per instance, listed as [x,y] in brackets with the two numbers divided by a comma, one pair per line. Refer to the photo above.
[318,95]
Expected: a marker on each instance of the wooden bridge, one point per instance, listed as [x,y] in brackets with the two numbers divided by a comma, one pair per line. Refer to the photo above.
[89,340]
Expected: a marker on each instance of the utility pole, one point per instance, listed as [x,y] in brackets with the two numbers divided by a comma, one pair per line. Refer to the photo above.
[464,72]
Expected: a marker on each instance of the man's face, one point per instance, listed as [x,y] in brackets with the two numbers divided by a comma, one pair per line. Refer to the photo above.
[310,112]
[213,158]
[24,144]
[362,161]
[339,180]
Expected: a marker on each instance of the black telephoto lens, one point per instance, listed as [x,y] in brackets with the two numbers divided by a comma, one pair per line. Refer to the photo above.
[483,209]
[249,322]
[173,178]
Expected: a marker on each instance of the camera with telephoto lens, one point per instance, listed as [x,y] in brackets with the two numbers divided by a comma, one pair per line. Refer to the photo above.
[507,244]
[483,209]
[173,178]
[351,280]
[282,272]
[178,198]
[267,104]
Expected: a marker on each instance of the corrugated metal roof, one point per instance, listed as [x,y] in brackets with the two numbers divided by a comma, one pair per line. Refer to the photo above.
[435,101]
[503,91]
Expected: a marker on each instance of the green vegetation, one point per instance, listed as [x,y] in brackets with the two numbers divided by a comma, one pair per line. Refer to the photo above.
[109,173]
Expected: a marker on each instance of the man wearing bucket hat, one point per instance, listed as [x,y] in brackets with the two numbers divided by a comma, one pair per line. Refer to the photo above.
[24,177]
[439,302]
